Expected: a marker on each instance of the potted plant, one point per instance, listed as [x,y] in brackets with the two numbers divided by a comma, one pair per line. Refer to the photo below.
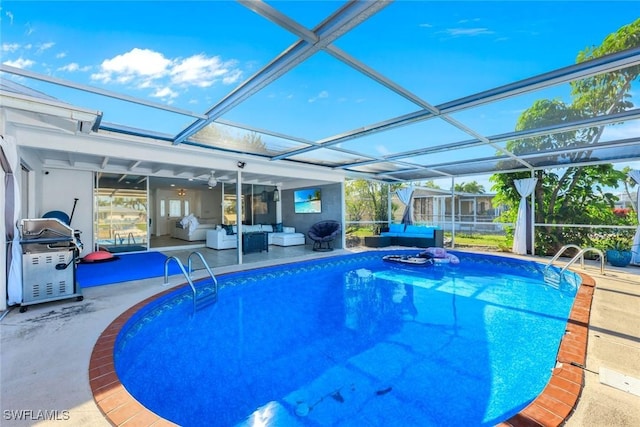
[618,251]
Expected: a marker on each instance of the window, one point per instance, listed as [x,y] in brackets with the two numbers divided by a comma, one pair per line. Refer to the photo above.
[175,208]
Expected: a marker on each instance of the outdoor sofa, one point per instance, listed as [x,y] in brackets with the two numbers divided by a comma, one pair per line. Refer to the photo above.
[226,237]
[421,236]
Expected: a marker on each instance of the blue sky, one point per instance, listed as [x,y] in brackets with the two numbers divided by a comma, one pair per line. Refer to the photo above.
[190,54]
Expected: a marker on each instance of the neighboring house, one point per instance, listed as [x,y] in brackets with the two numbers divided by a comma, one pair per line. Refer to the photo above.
[433,206]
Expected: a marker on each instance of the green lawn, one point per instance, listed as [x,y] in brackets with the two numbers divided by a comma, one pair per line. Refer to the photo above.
[495,241]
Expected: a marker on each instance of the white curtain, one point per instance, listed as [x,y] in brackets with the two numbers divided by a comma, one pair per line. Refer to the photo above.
[11,167]
[525,187]
[405,195]
[635,246]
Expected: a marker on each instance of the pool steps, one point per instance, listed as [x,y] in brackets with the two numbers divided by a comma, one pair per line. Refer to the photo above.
[554,277]
[203,299]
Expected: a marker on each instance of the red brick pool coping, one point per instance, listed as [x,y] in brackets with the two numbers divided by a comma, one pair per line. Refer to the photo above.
[550,408]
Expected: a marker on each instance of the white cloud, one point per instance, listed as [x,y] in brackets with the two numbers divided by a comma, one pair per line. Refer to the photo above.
[20,63]
[203,71]
[233,77]
[61,55]
[10,16]
[45,46]
[164,93]
[321,95]
[70,67]
[167,77]
[456,32]
[73,67]
[137,63]
[10,47]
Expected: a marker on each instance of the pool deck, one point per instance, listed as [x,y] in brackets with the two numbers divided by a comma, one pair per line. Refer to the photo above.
[47,372]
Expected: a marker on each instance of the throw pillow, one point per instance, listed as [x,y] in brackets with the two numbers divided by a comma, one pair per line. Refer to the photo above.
[228,229]
[277,228]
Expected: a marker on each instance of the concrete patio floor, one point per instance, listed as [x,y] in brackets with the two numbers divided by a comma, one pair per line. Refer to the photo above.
[45,352]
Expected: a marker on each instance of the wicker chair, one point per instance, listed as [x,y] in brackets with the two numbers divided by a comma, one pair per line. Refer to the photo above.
[323,233]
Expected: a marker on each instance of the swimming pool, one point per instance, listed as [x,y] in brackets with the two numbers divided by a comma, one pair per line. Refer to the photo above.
[351,341]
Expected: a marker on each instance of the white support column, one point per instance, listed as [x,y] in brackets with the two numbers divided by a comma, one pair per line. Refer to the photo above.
[453,213]
[239,214]
[343,216]
[279,205]
[533,219]
[389,219]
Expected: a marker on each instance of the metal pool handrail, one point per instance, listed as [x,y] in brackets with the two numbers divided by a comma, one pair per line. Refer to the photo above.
[212,297]
[579,255]
[184,272]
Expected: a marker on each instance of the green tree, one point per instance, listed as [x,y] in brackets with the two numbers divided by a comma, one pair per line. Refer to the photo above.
[429,184]
[573,194]
[469,187]
[367,200]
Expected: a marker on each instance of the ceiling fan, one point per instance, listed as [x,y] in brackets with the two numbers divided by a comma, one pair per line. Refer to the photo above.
[212,180]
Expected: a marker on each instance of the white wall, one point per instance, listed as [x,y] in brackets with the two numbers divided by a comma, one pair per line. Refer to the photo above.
[59,188]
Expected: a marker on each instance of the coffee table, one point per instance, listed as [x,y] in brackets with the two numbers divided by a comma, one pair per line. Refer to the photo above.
[257,241]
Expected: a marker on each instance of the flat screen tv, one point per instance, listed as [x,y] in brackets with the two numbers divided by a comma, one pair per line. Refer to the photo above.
[307,201]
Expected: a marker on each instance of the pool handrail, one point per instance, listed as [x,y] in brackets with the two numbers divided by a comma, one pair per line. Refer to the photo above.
[184,272]
[579,255]
[213,297]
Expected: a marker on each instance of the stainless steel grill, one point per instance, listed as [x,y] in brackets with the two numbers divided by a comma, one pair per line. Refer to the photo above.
[50,249]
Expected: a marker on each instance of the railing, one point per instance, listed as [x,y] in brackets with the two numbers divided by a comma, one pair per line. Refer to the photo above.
[579,255]
[204,299]
[210,298]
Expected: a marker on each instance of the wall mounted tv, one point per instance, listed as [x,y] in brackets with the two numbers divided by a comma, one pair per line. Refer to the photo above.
[307,201]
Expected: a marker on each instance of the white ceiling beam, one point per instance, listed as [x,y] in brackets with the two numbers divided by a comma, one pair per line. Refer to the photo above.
[134,165]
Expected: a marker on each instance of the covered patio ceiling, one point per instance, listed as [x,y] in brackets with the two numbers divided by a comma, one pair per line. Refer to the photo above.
[416,132]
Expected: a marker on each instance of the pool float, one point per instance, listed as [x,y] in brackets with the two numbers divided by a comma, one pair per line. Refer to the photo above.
[99,256]
[420,259]
[440,256]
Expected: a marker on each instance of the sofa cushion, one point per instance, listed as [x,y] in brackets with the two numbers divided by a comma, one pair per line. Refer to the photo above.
[229,229]
[419,230]
[267,228]
[251,228]
[396,228]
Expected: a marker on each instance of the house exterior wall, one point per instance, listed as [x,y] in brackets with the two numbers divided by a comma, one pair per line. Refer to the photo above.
[59,188]
[331,209]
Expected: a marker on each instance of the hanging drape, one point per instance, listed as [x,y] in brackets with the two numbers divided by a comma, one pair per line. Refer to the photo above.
[525,187]
[405,195]
[635,246]
[9,161]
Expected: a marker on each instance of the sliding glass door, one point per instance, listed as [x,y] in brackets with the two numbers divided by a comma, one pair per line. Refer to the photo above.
[121,209]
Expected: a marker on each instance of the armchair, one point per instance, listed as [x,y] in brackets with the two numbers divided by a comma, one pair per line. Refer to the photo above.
[323,233]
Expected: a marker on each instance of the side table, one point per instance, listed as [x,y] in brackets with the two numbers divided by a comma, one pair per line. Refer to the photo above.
[255,242]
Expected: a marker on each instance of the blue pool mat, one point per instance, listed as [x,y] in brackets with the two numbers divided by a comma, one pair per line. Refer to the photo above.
[123,269]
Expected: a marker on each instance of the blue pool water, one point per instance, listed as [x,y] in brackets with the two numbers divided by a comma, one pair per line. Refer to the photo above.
[350,341]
